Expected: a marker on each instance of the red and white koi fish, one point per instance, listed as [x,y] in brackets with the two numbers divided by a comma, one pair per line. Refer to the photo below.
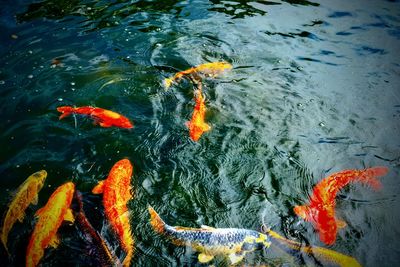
[197,126]
[116,191]
[212,69]
[105,118]
[26,194]
[321,208]
[56,210]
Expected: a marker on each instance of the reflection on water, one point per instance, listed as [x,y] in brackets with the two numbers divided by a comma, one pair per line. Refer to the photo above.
[313,91]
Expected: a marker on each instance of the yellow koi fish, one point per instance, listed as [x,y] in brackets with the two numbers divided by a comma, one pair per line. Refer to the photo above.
[26,194]
[56,210]
[116,190]
[210,242]
[327,255]
[212,69]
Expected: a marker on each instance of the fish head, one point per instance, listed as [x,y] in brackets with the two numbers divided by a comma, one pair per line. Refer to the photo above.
[40,177]
[125,123]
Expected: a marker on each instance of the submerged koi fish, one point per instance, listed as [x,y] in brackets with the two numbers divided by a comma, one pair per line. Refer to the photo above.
[327,255]
[210,242]
[101,249]
[27,193]
[105,118]
[212,69]
[197,126]
[321,208]
[56,210]
[116,193]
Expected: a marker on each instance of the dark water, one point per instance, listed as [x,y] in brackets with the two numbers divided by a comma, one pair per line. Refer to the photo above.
[314,90]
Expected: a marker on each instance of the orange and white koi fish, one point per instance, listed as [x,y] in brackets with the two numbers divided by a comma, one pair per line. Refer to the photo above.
[27,193]
[212,69]
[323,254]
[51,216]
[105,118]
[321,208]
[116,191]
[233,243]
[99,247]
[197,126]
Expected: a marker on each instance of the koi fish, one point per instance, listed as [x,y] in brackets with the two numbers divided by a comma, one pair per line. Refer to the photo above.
[101,249]
[105,118]
[330,256]
[116,194]
[56,210]
[27,193]
[196,125]
[212,69]
[209,241]
[321,208]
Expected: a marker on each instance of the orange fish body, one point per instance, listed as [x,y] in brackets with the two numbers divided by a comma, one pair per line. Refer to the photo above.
[106,118]
[212,69]
[321,208]
[56,210]
[116,193]
[197,125]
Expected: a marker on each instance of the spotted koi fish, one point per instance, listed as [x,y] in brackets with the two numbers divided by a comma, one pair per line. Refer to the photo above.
[116,190]
[99,247]
[210,242]
[105,118]
[56,210]
[321,208]
[326,255]
[197,126]
[27,194]
[212,69]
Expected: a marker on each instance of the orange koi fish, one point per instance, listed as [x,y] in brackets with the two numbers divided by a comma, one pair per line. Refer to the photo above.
[116,193]
[26,194]
[197,126]
[212,69]
[321,208]
[56,210]
[99,247]
[105,118]
[326,255]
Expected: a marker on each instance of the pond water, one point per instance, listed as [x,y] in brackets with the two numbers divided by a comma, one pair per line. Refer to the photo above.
[314,89]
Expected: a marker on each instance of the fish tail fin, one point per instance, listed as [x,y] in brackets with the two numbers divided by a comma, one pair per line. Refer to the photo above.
[128,259]
[302,211]
[156,222]
[206,127]
[369,176]
[65,110]
[4,241]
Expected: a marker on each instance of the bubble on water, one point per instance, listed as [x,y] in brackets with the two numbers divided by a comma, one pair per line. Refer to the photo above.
[72,83]
[60,99]
[322,124]
[17,166]
[73,89]
[30,76]
[2,82]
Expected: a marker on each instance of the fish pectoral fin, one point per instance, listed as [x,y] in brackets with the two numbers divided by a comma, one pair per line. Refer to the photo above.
[105,124]
[205,127]
[69,217]
[99,188]
[55,241]
[235,258]
[340,224]
[302,212]
[206,227]
[39,211]
[204,258]
[35,200]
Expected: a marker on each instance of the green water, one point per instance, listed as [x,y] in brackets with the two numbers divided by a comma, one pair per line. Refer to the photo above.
[314,90]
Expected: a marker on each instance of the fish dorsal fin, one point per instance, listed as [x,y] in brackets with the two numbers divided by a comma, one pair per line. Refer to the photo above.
[340,223]
[55,241]
[39,212]
[35,200]
[99,188]
[235,258]
[69,217]
[206,227]
[204,258]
